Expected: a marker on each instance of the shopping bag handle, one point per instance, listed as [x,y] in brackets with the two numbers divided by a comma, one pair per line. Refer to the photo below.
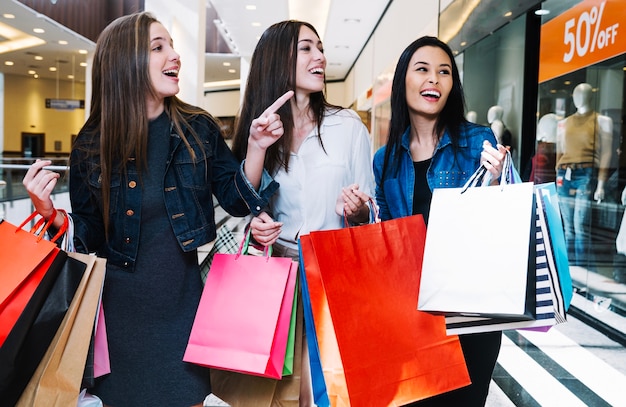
[245,245]
[482,176]
[42,225]
[374,215]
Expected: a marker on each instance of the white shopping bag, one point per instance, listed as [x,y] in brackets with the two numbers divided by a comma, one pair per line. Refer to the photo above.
[479,254]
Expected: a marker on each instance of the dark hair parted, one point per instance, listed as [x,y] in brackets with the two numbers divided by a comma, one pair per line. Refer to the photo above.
[272,73]
[450,118]
[121,85]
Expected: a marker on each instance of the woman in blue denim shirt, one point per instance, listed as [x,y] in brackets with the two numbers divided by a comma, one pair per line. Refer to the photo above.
[144,169]
[432,145]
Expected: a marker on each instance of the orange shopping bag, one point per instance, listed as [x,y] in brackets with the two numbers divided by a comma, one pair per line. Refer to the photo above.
[391,353]
[329,381]
[29,265]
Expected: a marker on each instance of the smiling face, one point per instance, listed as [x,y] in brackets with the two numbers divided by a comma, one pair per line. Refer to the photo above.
[311,62]
[428,81]
[164,62]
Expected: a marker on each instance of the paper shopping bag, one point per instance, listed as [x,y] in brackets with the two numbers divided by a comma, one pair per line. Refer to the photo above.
[57,380]
[246,390]
[549,303]
[391,353]
[101,362]
[556,238]
[327,374]
[32,334]
[479,255]
[29,265]
[242,322]
[291,335]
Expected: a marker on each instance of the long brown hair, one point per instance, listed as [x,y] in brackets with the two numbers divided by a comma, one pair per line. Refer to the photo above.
[272,73]
[120,88]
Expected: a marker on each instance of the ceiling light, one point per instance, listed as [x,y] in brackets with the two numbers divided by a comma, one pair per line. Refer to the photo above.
[83,64]
[508,14]
[35,76]
[232,70]
[62,42]
[250,7]
[38,58]
[230,84]
[463,43]
[16,39]
[542,12]
[52,69]
[31,72]
[226,63]
[255,24]
[39,30]
[8,16]
[70,76]
[82,51]
[8,63]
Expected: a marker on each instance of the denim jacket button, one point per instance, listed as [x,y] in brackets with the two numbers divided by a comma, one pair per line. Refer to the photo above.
[132,184]
[258,208]
[130,212]
[127,240]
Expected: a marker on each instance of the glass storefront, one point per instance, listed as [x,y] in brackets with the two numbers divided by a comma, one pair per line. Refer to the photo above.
[561,99]
[579,140]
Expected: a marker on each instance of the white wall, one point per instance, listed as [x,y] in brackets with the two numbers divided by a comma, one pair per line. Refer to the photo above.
[185,21]
[405,21]
[222,103]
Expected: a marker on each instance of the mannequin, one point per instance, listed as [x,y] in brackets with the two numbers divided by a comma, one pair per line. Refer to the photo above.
[597,146]
[494,117]
[544,160]
[583,156]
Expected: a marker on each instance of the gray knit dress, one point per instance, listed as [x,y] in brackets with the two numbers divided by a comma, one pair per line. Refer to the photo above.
[149,312]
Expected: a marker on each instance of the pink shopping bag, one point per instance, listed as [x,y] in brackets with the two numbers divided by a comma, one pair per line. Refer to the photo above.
[101,362]
[243,318]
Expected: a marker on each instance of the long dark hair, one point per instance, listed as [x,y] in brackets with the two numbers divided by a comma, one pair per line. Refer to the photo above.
[450,118]
[272,73]
[120,87]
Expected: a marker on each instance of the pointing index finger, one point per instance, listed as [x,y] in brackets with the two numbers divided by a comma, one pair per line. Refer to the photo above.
[278,103]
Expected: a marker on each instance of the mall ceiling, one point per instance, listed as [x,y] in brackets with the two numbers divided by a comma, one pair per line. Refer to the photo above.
[345,27]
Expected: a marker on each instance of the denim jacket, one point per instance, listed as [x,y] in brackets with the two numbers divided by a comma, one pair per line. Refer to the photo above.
[394,194]
[189,186]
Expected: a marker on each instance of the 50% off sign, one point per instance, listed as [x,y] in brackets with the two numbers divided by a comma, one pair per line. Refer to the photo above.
[586,34]
[578,33]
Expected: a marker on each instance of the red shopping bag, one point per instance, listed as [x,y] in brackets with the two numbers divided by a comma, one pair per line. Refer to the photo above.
[242,322]
[392,354]
[25,260]
[328,377]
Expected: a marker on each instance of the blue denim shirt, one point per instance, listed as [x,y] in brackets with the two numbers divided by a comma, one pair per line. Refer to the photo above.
[394,194]
[189,186]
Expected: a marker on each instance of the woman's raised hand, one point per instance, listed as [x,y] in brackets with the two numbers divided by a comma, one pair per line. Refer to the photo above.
[267,128]
[39,184]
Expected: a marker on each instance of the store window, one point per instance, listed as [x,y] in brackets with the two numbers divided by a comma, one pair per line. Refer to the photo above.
[580,142]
